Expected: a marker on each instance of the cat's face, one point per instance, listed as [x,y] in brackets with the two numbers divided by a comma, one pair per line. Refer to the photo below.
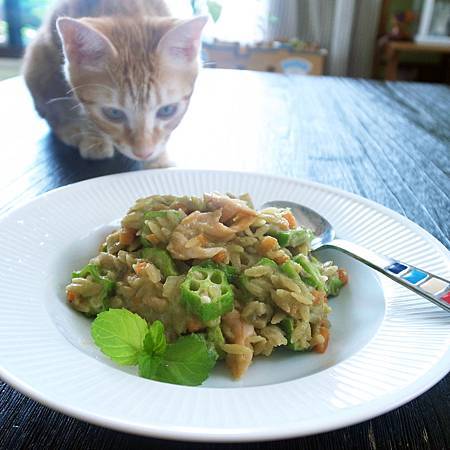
[134,83]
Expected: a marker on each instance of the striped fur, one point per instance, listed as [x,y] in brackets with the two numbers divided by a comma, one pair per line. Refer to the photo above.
[130,55]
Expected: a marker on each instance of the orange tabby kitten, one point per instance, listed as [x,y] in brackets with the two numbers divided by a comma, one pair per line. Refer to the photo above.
[129,72]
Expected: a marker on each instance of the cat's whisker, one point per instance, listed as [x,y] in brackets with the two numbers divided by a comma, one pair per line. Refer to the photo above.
[92,146]
[90,133]
[81,133]
[114,88]
[57,99]
[78,105]
[71,91]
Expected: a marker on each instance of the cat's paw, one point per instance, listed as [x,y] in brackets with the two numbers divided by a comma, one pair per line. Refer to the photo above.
[70,135]
[96,147]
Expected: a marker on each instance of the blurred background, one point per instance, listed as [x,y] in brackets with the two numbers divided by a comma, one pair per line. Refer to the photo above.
[381,39]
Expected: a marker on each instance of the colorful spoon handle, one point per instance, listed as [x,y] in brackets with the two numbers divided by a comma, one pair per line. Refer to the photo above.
[434,288]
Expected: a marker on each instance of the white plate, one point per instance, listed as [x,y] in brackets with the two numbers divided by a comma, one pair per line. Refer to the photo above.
[387,344]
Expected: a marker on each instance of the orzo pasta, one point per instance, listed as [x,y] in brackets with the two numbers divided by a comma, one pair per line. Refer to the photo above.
[243,278]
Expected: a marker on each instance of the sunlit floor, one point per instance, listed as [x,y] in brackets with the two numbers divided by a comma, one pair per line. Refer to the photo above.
[9,67]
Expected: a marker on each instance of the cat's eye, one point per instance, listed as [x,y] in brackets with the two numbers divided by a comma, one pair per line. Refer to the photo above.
[114,114]
[167,111]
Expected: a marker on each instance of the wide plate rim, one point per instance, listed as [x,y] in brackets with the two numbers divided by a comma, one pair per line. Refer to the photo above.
[355,415]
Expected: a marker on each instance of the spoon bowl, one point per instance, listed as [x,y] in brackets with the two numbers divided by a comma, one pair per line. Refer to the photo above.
[432,287]
[308,218]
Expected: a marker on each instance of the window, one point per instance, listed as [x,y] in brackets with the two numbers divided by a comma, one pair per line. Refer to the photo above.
[435,22]
[3,26]
[19,20]
[240,21]
[243,21]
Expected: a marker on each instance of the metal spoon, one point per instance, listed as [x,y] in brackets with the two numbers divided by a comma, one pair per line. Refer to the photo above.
[432,287]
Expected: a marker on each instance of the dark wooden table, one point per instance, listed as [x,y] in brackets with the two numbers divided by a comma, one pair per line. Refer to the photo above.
[389,142]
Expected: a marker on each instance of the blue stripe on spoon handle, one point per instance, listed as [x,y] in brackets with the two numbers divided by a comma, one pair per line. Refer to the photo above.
[409,276]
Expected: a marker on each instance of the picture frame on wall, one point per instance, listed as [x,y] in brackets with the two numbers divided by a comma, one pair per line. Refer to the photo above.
[434,26]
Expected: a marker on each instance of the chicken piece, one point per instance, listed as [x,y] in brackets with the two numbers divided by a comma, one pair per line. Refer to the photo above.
[191,237]
[240,223]
[231,207]
[238,332]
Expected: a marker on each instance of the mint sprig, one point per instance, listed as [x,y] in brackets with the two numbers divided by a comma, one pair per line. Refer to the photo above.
[148,365]
[120,335]
[127,339]
[155,341]
[188,361]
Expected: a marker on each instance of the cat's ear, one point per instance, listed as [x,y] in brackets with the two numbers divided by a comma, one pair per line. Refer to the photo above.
[83,45]
[181,43]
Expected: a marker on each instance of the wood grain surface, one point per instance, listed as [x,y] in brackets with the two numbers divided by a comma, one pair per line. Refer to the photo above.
[389,142]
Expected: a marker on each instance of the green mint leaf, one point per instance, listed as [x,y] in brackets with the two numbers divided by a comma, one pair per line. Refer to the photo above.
[188,361]
[148,365]
[120,335]
[155,340]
